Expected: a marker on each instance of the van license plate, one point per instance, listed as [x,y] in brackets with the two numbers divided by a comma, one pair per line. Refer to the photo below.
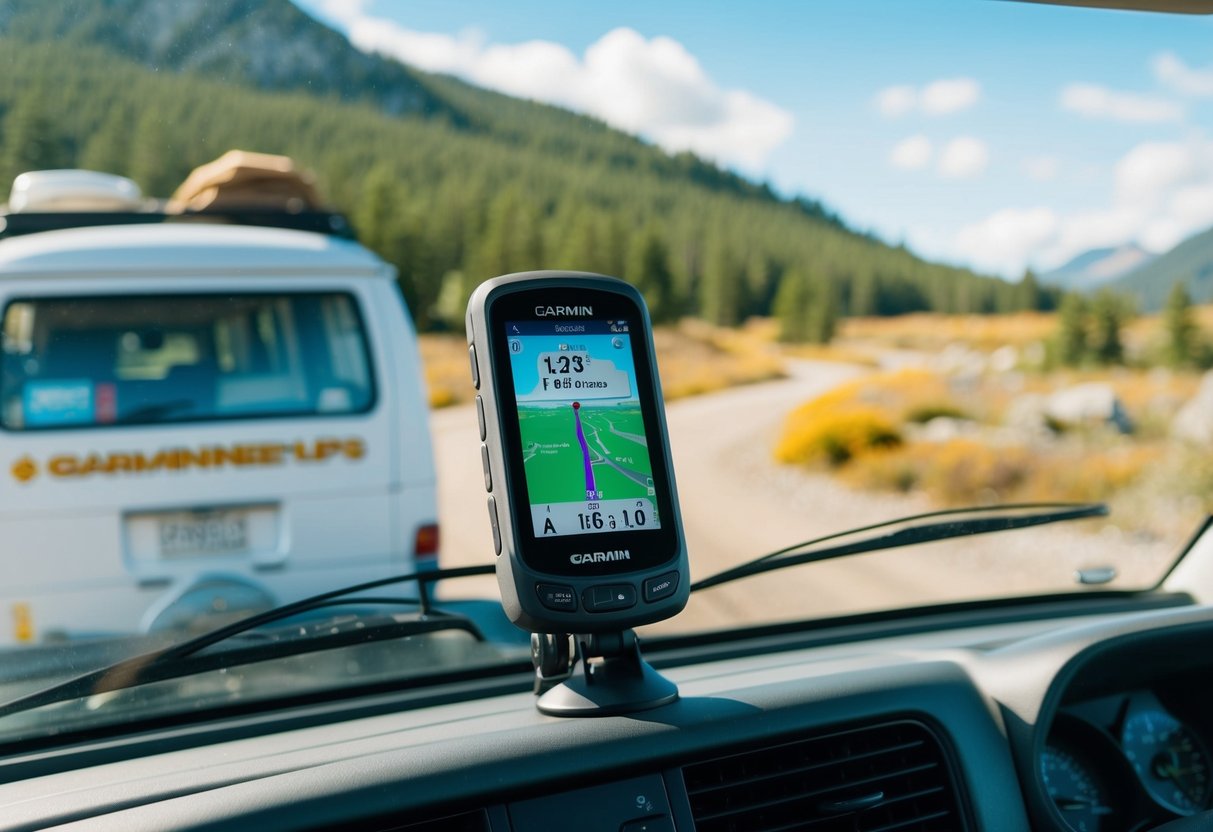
[210,533]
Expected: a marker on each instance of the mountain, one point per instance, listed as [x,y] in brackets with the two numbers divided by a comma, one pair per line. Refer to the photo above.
[1191,262]
[1097,267]
[269,45]
[449,182]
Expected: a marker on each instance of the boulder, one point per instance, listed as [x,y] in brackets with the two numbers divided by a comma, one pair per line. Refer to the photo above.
[945,429]
[1194,421]
[1094,403]
[1028,415]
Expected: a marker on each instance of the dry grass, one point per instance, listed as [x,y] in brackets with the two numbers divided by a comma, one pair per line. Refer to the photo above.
[447,373]
[693,358]
[1145,476]
[928,331]
[965,471]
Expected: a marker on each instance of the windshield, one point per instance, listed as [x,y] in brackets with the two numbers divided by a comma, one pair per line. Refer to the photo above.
[88,362]
[899,257]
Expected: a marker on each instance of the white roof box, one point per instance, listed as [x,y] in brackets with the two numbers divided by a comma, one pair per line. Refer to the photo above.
[73,190]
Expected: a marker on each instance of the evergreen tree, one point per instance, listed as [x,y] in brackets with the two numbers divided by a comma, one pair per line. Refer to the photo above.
[791,307]
[758,284]
[32,140]
[511,241]
[1183,335]
[386,226]
[1109,313]
[863,293]
[585,247]
[1027,293]
[378,208]
[648,269]
[108,149]
[498,190]
[154,154]
[823,313]
[1072,330]
[807,309]
[720,286]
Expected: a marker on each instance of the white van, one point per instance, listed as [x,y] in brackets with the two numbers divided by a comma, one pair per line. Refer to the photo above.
[201,417]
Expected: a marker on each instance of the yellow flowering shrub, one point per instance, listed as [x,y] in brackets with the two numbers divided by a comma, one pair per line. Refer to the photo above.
[817,435]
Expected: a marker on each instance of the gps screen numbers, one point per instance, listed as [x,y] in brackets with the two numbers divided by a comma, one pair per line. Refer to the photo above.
[565,364]
[582,430]
[595,521]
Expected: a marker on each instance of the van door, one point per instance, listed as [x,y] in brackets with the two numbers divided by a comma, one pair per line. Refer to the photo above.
[152,439]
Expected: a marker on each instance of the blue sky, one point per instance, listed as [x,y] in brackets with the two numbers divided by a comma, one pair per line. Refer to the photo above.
[989,133]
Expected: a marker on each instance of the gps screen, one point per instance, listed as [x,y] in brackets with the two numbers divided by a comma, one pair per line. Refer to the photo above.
[584,451]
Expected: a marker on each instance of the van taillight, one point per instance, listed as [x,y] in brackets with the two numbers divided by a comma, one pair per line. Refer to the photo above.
[425,546]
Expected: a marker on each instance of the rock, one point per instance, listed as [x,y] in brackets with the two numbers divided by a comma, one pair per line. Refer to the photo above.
[1028,414]
[1004,359]
[1194,421]
[1086,404]
[946,428]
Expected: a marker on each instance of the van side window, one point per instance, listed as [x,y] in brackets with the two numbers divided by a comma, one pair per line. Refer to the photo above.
[97,361]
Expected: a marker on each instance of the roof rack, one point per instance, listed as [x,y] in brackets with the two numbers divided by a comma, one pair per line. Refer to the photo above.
[319,222]
[238,188]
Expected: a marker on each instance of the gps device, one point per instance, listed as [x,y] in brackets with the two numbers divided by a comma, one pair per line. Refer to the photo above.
[576,455]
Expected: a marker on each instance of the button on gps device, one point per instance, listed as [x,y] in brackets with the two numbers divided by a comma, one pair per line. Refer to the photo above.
[576,442]
[610,597]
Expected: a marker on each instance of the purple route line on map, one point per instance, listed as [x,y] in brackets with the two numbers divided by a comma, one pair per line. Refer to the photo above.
[585,451]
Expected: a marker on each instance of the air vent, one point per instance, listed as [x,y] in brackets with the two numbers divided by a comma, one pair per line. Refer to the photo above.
[887,777]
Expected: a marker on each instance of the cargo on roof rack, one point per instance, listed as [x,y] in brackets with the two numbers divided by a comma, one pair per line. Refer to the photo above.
[238,188]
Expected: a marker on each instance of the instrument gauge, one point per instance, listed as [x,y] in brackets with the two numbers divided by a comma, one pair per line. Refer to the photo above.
[1169,759]
[1082,801]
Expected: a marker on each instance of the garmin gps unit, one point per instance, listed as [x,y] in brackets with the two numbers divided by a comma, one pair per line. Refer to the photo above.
[576,455]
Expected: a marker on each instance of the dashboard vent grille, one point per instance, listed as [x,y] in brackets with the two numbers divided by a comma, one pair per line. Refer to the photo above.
[888,777]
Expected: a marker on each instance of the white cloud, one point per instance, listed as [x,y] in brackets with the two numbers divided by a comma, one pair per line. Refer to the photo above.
[912,153]
[1094,101]
[963,158]
[649,86]
[1162,193]
[942,97]
[342,10]
[949,95]
[896,101]
[1145,174]
[1174,73]
[1041,168]
[998,242]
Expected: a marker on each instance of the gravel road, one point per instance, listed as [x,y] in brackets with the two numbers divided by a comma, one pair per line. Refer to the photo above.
[737,503]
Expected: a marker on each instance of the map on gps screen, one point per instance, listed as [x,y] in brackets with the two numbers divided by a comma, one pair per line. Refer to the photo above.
[584,450]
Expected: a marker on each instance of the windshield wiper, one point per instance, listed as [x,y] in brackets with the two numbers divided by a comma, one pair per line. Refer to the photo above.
[938,525]
[187,658]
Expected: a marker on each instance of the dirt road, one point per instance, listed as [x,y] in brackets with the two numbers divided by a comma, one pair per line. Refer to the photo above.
[737,503]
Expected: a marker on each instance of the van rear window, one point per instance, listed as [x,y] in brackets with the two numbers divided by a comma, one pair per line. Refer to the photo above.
[99,361]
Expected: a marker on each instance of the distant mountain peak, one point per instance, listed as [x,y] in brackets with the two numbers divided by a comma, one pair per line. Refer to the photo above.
[1190,263]
[1097,267]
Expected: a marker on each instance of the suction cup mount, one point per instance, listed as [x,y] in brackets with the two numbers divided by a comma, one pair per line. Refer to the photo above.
[614,677]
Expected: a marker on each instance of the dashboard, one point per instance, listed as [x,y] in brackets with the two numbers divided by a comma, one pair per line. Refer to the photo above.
[1089,713]
[1129,746]
[1131,759]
